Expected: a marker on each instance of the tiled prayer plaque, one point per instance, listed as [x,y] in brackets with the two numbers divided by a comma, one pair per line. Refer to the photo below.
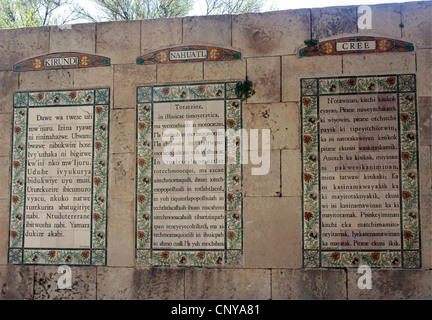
[58,208]
[188,194]
[360,172]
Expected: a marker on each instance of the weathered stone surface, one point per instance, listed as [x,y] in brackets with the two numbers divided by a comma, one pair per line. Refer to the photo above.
[121,175]
[100,77]
[265,184]
[297,284]
[225,70]
[160,34]
[180,72]
[294,68]
[217,30]
[118,41]
[5,133]
[4,230]
[122,128]
[281,118]
[426,230]
[138,284]
[374,63]
[334,21]
[20,44]
[228,284]
[425,169]
[126,79]
[290,173]
[46,80]
[121,241]
[392,285]
[272,232]
[265,76]
[272,33]
[417,21]
[386,19]
[424,72]
[16,282]
[46,284]
[425,120]
[9,84]
[5,177]
[73,38]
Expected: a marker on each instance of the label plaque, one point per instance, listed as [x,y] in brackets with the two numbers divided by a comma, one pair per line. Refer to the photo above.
[59,177]
[360,172]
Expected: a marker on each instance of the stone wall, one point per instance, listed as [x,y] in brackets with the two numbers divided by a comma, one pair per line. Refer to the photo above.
[272,243]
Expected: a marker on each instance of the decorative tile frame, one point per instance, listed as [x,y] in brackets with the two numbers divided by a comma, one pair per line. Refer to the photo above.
[96,253]
[404,85]
[147,98]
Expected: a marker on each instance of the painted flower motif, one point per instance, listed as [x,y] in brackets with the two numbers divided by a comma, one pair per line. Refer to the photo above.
[236,216]
[411,175]
[308,215]
[352,82]
[165,255]
[395,261]
[384,45]
[101,199]
[231,235]
[404,117]
[391,81]
[335,256]
[409,97]
[98,145]
[201,255]
[371,86]
[162,56]
[22,113]
[355,261]
[96,217]
[141,198]
[20,182]
[182,260]
[14,234]
[85,61]
[308,177]
[307,102]
[312,120]
[406,195]
[230,123]
[312,158]
[405,156]
[56,99]
[146,216]
[40,96]
[412,215]
[313,196]
[85,254]
[141,162]
[201,89]
[214,54]
[166,91]
[16,164]
[327,47]
[100,235]
[68,259]
[146,180]
[19,216]
[332,88]
[235,104]
[141,235]
[230,197]
[183,94]
[99,110]
[219,93]
[408,235]
[51,254]
[97,180]
[411,136]
[37,63]
[141,126]
[236,178]
[15,199]
[17,130]
[313,235]
[375,256]
[307,139]
[219,260]
[73,95]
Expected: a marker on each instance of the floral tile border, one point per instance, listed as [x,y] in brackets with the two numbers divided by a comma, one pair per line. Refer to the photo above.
[22,101]
[404,85]
[232,255]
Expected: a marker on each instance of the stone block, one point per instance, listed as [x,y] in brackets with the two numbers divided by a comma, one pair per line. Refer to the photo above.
[16,282]
[425,120]
[119,41]
[424,72]
[180,72]
[386,19]
[379,63]
[294,68]
[264,185]
[392,285]
[265,76]
[225,70]
[217,30]
[20,44]
[121,175]
[4,176]
[160,34]
[291,173]
[121,240]
[426,230]
[272,33]
[300,284]
[46,284]
[126,78]
[333,21]
[281,118]
[227,284]
[5,133]
[99,77]
[122,131]
[425,170]
[9,84]
[272,232]
[46,80]
[138,284]
[73,38]
[417,21]
[4,230]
